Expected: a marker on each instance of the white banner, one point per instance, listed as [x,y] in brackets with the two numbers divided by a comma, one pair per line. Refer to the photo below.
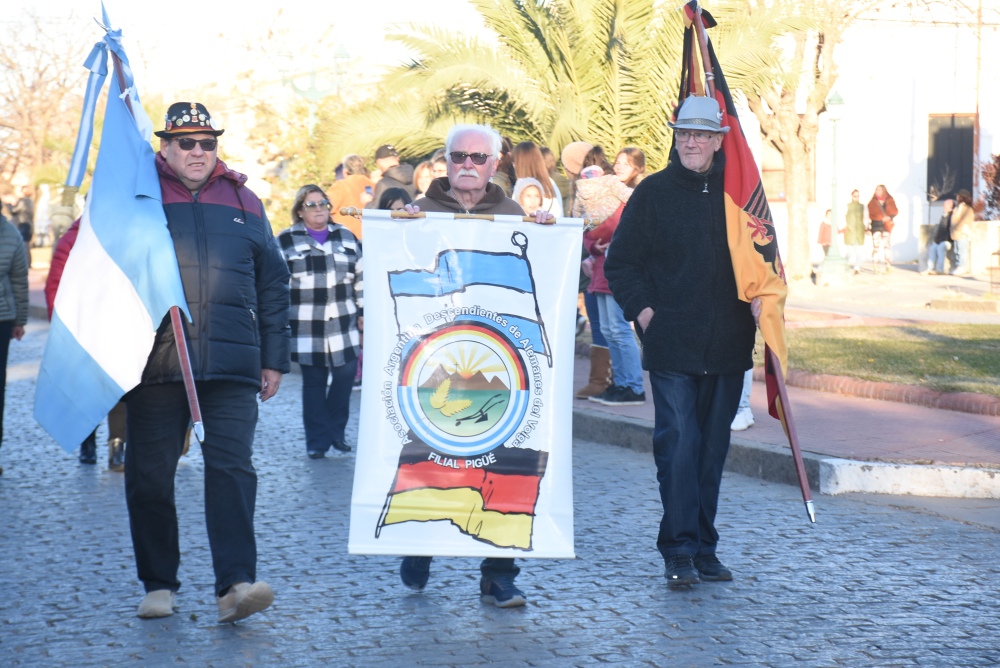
[465,441]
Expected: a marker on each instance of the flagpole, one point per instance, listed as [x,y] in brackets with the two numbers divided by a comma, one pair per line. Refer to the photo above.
[706,62]
[784,409]
[793,438]
[180,338]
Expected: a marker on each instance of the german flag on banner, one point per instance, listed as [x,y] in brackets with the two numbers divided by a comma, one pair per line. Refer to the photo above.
[495,505]
[752,242]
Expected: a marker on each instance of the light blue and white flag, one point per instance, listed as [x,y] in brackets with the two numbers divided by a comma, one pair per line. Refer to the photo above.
[122,276]
[472,277]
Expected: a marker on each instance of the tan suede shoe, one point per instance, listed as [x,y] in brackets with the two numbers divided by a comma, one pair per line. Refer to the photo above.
[159,603]
[243,600]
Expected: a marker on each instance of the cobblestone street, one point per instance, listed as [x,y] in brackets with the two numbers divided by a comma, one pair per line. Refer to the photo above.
[869,585]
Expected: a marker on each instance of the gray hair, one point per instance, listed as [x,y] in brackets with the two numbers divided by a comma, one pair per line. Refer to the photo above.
[491,135]
[354,164]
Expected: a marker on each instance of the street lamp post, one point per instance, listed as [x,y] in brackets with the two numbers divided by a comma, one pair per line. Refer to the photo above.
[314,94]
[834,269]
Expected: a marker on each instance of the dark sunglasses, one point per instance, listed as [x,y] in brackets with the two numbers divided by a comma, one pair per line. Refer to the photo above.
[325,203]
[207,145]
[458,157]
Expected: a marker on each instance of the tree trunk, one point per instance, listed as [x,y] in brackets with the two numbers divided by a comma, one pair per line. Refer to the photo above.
[798,172]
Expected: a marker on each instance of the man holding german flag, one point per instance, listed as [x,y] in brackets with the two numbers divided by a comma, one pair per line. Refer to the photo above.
[694,263]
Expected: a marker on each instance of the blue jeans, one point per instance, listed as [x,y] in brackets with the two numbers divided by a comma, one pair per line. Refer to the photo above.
[691,435]
[493,566]
[626,361]
[594,316]
[326,407]
[936,253]
[961,249]
[158,418]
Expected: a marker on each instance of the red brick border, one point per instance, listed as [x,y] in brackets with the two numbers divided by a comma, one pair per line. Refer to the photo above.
[965,402]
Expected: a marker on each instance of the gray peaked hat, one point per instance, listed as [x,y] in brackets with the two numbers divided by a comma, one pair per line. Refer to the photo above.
[699,113]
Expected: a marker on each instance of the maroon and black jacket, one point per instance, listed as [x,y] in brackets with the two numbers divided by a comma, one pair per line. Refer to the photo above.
[235,281]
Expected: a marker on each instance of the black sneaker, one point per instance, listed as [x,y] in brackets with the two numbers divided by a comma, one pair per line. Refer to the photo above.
[501,591]
[415,571]
[710,569]
[679,571]
[606,394]
[616,395]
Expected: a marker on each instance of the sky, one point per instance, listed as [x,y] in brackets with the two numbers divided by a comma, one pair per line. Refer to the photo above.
[174,47]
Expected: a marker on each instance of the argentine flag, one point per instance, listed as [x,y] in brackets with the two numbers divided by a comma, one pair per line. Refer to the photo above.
[122,276]
[463,277]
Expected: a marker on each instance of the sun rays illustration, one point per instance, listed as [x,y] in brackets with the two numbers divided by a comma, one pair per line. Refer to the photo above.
[466,359]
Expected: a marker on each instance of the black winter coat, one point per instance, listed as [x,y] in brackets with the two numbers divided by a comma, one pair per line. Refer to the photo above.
[670,252]
[235,282]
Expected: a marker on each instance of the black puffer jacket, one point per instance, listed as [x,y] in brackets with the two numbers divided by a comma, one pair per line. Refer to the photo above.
[671,253]
[235,281]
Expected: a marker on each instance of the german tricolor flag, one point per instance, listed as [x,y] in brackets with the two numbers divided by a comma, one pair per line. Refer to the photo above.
[752,242]
[492,500]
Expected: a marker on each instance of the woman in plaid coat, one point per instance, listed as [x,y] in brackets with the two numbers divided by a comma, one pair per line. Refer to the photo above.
[326,316]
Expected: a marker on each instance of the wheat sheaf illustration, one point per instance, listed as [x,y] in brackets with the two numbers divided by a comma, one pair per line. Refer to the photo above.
[439,400]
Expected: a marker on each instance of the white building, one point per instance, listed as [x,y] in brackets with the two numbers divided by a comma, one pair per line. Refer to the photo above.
[921,106]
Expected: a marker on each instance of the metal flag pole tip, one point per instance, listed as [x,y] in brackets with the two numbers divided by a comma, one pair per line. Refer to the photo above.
[811,511]
[199,433]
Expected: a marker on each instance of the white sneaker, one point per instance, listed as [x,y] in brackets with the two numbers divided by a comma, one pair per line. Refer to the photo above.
[159,603]
[743,420]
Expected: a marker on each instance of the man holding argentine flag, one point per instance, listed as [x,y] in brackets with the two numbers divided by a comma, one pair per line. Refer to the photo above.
[162,230]
[236,287]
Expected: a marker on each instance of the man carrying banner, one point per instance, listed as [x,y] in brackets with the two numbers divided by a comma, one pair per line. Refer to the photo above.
[472,152]
[670,268]
[236,285]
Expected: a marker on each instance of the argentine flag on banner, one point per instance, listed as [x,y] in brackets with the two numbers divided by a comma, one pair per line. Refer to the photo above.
[121,277]
[471,277]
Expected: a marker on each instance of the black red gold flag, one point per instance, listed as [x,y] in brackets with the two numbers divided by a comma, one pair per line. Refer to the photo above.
[752,241]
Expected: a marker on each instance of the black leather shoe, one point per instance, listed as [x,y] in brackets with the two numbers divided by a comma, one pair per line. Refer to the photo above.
[316,454]
[710,569]
[679,571]
[88,450]
[340,445]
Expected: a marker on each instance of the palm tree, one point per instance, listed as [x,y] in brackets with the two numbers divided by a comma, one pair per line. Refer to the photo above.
[604,71]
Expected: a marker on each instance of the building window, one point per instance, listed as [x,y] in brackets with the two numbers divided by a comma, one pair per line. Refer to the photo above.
[950,154]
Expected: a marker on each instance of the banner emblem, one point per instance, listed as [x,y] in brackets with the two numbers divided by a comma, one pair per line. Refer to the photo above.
[463,388]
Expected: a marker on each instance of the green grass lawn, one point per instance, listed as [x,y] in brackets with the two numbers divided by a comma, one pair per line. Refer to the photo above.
[947,358]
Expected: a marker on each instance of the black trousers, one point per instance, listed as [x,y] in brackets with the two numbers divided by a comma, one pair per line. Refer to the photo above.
[691,433]
[158,418]
[6,330]
[326,403]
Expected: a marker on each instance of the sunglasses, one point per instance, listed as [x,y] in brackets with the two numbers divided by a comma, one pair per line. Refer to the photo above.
[325,203]
[207,145]
[458,157]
